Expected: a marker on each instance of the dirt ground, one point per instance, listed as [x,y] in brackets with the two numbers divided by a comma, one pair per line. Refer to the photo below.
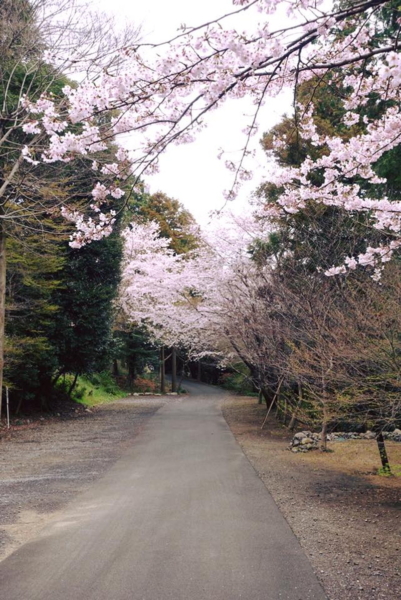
[346,517]
[44,463]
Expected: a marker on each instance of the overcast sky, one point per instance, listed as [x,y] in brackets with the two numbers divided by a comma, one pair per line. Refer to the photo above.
[191,172]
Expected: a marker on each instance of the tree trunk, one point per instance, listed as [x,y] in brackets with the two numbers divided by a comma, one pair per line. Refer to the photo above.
[131,364]
[199,377]
[18,406]
[323,435]
[57,377]
[173,370]
[268,411]
[162,372]
[285,410]
[74,383]
[182,373]
[383,453]
[2,301]
[116,370]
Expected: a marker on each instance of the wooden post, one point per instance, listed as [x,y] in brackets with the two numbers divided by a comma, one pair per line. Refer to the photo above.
[275,399]
[173,370]
[162,372]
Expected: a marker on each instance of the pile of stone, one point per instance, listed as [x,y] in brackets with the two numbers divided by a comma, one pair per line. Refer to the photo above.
[394,436]
[303,441]
[340,436]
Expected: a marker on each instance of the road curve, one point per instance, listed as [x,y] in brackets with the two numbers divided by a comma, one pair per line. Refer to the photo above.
[181,516]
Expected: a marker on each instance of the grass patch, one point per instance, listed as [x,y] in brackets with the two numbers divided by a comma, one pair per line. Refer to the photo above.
[355,457]
[100,388]
[395,471]
[91,390]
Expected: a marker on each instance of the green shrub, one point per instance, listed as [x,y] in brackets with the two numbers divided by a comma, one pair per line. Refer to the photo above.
[238,382]
[78,393]
[104,380]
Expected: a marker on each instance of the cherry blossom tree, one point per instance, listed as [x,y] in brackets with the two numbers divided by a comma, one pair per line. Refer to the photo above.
[292,327]
[159,287]
[163,92]
[207,300]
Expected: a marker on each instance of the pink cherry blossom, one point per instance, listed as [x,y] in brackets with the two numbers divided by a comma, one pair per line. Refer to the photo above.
[162,94]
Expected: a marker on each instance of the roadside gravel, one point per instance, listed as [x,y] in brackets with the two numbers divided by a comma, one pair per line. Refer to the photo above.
[44,463]
[349,523]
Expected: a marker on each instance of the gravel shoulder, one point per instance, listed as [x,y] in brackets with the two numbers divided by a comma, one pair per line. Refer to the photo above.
[346,517]
[47,461]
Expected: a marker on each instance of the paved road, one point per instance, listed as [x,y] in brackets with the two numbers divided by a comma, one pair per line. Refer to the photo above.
[182,516]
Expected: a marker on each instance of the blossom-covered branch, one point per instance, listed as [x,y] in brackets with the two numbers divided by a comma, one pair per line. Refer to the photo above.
[163,93]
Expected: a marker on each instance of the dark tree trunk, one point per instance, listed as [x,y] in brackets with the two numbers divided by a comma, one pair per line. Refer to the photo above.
[131,364]
[57,377]
[17,410]
[116,370]
[173,370]
[162,372]
[285,410]
[74,383]
[383,453]
[46,389]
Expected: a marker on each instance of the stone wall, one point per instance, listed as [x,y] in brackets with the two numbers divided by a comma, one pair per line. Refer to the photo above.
[303,441]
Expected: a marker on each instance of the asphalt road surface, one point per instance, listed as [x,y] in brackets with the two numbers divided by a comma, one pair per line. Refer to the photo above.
[181,516]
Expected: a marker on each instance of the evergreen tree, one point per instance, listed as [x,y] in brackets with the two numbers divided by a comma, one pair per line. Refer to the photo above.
[175,222]
[83,338]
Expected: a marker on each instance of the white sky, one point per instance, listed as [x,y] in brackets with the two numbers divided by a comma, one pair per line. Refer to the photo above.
[192,173]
